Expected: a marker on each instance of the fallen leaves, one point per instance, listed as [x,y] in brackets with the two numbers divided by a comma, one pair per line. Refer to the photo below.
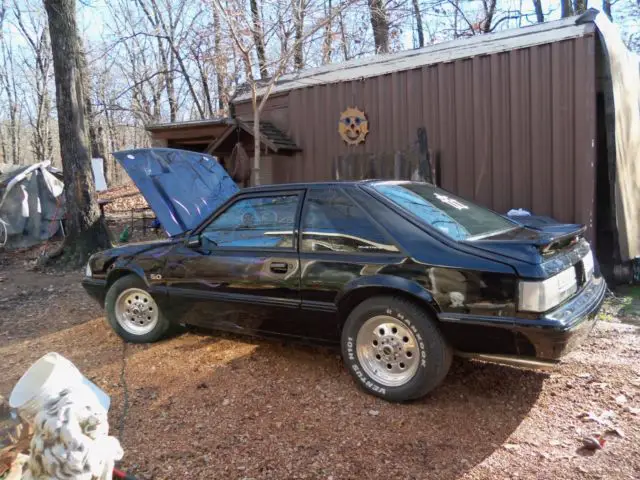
[603,419]
[621,399]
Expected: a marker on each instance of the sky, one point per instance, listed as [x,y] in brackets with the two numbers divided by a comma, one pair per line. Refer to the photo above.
[92,18]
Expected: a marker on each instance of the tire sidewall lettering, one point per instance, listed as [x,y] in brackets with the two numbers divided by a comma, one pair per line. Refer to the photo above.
[359,372]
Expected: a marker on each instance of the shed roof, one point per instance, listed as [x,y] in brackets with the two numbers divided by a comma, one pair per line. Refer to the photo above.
[189,123]
[270,136]
[485,44]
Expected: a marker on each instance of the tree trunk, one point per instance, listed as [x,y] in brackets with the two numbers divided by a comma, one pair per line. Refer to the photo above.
[328,34]
[8,78]
[343,38]
[566,8]
[86,232]
[298,19]
[606,8]
[220,62]
[489,12]
[537,5]
[579,6]
[256,137]
[3,146]
[380,25]
[96,145]
[258,38]
[418,15]
[204,80]
[171,91]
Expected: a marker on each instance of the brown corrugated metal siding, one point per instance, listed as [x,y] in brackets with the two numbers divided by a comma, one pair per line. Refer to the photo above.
[510,130]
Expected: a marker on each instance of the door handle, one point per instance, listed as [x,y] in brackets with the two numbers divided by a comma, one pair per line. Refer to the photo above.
[279,267]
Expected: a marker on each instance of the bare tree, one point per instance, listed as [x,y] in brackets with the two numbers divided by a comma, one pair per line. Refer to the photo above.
[38,72]
[380,25]
[328,35]
[239,28]
[298,22]
[537,5]
[343,36]
[220,62]
[489,7]
[566,8]
[258,38]
[418,17]
[86,231]
[9,83]
[579,6]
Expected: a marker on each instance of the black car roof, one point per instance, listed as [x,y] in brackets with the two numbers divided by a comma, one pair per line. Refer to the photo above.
[298,186]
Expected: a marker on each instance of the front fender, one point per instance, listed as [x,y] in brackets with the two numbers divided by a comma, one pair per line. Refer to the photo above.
[361,288]
[120,269]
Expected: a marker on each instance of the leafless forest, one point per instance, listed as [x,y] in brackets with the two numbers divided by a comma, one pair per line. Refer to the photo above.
[150,61]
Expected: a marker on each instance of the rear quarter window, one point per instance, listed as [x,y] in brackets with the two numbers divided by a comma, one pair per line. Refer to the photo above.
[333,222]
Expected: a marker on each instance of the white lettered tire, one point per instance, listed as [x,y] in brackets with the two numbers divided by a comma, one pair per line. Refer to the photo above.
[394,349]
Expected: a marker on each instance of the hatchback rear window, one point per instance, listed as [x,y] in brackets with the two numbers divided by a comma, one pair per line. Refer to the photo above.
[454,216]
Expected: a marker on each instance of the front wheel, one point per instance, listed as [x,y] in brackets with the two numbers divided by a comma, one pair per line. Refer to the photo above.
[133,313]
[394,349]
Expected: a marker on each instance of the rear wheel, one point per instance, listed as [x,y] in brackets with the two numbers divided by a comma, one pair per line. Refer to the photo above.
[133,313]
[394,349]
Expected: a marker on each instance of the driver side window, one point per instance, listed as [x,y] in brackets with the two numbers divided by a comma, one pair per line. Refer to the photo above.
[260,222]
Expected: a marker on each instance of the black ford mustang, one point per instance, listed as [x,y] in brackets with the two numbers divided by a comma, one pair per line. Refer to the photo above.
[401,274]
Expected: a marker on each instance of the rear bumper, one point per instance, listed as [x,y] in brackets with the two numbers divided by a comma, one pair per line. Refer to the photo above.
[546,338]
[96,288]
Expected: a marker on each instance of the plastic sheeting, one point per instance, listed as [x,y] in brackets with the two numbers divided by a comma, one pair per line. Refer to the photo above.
[31,205]
[624,67]
[97,165]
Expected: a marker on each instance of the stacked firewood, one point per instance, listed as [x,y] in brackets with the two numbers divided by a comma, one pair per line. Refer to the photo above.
[122,199]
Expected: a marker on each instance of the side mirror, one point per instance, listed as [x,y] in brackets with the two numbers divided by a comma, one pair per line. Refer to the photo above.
[194,241]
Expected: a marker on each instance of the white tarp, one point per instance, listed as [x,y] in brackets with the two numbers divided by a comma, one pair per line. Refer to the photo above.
[625,78]
[31,205]
[97,165]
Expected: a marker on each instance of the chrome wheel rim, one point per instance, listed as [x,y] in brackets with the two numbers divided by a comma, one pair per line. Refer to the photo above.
[388,351]
[136,311]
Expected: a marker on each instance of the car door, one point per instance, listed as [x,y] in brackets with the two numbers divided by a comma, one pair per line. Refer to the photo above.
[243,274]
[340,241]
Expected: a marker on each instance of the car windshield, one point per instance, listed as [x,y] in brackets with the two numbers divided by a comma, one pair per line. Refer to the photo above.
[458,218]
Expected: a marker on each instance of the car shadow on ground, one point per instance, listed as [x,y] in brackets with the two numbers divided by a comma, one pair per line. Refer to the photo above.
[283,408]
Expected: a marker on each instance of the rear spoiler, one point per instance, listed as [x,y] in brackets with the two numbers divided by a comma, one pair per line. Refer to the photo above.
[556,237]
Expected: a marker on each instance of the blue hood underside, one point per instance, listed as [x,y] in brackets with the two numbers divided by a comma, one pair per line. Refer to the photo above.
[182,188]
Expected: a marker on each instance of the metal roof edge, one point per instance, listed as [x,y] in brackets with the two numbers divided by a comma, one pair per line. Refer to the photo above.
[485,44]
[189,123]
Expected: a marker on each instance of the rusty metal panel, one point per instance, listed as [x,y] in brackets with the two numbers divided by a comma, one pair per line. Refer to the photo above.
[447,115]
[500,132]
[511,130]
[541,134]
[586,121]
[482,158]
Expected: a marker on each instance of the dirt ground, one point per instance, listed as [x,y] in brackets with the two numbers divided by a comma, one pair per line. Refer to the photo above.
[201,406]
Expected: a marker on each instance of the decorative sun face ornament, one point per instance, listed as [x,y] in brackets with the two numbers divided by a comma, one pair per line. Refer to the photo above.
[353,126]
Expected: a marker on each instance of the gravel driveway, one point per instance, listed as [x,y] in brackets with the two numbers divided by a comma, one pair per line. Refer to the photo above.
[204,407]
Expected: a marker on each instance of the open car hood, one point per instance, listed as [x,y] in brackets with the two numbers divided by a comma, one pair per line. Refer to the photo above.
[181,187]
